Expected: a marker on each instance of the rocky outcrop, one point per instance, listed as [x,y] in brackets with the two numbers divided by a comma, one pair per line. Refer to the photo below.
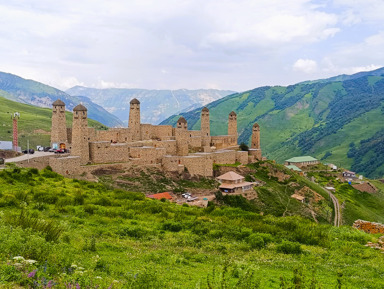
[369,227]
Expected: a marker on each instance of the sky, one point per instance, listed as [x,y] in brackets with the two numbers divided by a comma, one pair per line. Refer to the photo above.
[192,44]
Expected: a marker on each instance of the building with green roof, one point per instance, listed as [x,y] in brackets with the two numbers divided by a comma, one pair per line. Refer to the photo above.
[302,161]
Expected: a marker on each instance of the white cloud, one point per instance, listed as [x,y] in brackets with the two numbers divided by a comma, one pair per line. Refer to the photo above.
[230,44]
[305,65]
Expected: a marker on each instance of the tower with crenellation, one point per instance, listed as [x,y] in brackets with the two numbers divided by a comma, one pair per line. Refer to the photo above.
[232,127]
[80,141]
[134,120]
[181,135]
[205,128]
[59,126]
[255,149]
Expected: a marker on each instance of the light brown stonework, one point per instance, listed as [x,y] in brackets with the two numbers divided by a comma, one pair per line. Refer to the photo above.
[174,149]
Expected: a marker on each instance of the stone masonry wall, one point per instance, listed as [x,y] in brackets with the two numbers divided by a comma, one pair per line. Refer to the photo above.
[242,157]
[105,152]
[67,166]
[224,157]
[369,227]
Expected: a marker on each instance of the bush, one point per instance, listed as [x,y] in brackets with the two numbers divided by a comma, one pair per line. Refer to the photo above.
[172,226]
[255,241]
[288,247]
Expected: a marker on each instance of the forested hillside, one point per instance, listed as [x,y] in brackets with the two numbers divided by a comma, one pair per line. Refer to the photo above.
[325,118]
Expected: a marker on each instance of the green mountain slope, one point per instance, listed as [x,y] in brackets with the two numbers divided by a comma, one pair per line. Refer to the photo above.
[323,118]
[34,123]
[32,92]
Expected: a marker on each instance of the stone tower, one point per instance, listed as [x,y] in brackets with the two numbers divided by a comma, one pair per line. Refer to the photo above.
[205,128]
[232,127]
[80,141]
[134,120]
[255,136]
[181,134]
[255,150]
[59,126]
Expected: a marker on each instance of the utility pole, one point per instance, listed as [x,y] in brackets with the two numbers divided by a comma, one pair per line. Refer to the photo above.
[15,142]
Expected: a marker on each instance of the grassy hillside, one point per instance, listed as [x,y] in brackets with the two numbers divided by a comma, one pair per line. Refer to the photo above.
[69,233]
[34,123]
[32,92]
[320,118]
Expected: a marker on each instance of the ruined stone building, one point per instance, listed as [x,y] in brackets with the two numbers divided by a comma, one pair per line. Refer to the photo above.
[173,149]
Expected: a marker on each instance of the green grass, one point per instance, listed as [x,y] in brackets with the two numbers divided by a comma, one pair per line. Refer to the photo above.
[119,237]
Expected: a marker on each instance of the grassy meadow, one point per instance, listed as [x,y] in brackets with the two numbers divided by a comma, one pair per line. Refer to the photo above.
[67,233]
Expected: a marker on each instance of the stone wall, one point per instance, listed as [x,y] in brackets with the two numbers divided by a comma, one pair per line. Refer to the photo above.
[201,165]
[223,141]
[369,227]
[162,132]
[105,152]
[66,166]
[242,157]
[169,145]
[146,131]
[224,157]
[147,155]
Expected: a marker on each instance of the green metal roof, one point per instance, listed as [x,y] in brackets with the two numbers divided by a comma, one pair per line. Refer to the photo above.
[293,167]
[301,159]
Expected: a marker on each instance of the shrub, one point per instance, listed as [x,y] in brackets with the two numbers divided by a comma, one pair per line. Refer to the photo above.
[288,247]
[255,241]
[172,226]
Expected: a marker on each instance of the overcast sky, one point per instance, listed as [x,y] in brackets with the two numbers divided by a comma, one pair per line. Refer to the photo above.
[158,44]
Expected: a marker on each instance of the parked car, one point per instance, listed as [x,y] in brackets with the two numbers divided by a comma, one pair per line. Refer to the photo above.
[31,151]
[1,161]
[59,151]
[46,149]
[51,150]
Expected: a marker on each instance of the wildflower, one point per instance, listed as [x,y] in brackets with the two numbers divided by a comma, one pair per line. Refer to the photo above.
[80,268]
[115,281]
[73,266]
[32,274]
[18,258]
[30,262]
[98,277]
[50,284]
[77,286]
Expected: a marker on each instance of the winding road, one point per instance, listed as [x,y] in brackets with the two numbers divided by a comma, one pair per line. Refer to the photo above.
[337,221]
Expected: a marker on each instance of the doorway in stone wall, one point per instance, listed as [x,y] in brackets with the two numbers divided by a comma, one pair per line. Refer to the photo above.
[62,146]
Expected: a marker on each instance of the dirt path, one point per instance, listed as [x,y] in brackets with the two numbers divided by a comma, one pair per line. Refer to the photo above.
[336,204]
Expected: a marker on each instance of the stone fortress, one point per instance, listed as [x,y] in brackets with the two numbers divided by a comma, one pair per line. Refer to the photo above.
[173,149]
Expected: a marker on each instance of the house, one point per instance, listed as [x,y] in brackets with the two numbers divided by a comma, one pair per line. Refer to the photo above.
[298,197]
[232,182]
[302,161]
[349,174]
[6,145]
[160,196]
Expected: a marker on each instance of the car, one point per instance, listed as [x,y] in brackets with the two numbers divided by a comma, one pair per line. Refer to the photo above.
[46,149]
[51,150]
[31,151]
[59,151]
[2,161]
[40,148]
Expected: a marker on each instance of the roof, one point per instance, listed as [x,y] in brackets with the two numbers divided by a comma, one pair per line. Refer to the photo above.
[301,159]
[297,197]
[205,109]
[233,186]
[182,120]
[6,145]
[232,113]
[134,101]
[80,107]
[349,172]
[58,102]
[160,196]
[256,125]
[230,176]
[294,168]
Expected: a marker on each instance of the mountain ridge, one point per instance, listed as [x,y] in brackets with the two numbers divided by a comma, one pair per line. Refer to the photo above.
[38,94]
[321,118]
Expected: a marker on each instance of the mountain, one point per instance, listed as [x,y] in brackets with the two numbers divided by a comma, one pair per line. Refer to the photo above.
[34,124]
[32,92]
[156,105]
[339,120]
